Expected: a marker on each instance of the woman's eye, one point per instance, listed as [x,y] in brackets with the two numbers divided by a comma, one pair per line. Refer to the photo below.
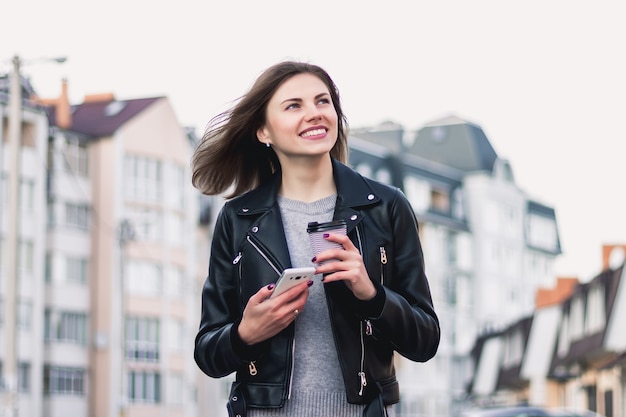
[292,106]
[324,101]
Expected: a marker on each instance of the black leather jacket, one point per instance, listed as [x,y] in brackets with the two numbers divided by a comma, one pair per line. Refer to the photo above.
[249,251]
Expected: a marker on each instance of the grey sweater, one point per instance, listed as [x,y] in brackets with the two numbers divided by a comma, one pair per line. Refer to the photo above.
[317,387]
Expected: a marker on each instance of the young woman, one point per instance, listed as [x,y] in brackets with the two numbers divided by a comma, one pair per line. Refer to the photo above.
[324,347]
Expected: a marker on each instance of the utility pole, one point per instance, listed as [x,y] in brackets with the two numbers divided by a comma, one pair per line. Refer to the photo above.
[12,243]
[11,297]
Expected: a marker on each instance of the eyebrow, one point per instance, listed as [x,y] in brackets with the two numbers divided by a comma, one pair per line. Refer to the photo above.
[300,100]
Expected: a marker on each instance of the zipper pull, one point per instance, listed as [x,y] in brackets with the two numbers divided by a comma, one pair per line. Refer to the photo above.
[237,258]
[363,382]
[252,368]
[383,255]
[368,328]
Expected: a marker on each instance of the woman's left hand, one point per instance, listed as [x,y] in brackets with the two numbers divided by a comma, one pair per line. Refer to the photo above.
[347,265]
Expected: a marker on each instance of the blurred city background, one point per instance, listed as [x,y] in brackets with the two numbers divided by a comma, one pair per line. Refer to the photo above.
[501,121]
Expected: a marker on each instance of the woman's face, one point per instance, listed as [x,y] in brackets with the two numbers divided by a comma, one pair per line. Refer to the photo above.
[301,120]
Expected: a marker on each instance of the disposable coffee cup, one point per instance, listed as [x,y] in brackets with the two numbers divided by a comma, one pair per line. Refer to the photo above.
[316,233]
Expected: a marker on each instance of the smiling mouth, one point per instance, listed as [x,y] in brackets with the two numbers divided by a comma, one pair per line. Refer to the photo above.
[314,132]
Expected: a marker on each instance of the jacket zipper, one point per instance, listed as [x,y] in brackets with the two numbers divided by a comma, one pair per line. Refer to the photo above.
[383,262]
[368,330]
[252,368]
[252,365]
[362,377]
[367,322]
[263,255]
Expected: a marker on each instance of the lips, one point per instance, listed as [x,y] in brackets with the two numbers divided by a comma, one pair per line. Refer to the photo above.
[313,132]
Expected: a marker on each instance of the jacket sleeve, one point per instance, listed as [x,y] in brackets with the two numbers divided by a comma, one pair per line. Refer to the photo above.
[218,348]
[408,320]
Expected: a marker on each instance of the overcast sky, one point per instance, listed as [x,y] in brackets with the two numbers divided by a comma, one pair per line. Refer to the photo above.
[545,79]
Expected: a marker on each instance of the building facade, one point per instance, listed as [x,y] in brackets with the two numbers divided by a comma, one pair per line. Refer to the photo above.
[487,244]
[25,311]
[570,352]
[108,297]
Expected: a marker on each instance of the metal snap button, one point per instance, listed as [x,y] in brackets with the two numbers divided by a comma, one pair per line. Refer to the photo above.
[353,217]
[255,229]
[370,197]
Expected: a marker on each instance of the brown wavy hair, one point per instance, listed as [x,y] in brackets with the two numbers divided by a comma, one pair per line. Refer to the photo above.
[230,154]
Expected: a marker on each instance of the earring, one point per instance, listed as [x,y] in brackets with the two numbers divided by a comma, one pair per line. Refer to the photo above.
[267,144]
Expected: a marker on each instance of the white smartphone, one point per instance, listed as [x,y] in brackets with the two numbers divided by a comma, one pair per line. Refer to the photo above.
[292,277]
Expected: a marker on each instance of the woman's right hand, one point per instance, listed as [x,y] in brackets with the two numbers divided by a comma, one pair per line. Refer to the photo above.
[264,317]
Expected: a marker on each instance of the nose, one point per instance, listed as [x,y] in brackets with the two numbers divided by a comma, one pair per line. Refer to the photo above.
[313,112]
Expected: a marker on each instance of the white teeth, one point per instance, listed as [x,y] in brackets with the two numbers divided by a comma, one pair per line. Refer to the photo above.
[313,133]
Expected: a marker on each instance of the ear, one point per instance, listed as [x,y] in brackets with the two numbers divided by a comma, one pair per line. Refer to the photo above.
[263,135]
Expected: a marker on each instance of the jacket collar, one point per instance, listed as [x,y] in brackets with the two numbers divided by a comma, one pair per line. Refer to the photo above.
[352,189]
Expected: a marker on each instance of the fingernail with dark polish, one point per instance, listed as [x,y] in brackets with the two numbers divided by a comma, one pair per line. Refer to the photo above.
[270,287]
[326,235]
[314,259]
[309,283]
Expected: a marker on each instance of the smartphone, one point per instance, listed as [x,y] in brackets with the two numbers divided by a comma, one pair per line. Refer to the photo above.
[316,236]
[292,277]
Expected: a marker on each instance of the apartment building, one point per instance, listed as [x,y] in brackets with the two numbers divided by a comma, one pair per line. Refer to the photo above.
[108,295]
[27,302]
[487,244]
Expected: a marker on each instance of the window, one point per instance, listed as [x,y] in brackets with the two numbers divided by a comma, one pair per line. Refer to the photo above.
[144,386]
[542,232]
[77,215]
[595,320]
[77,270]
[75,157]
[114,108]
[177,187]
[383,175]
[48,268]
[23,377]
[175,336]
[50,215]
[27,195]
[26,256]
[513,349]
[65,326]
[144,278]
[175,229]
[142,179]
[577,318]
[142,339]
[439,201]
[147,224]
[174,283]
[174,389]
[63,381]
[66,269]
[24,315]
[418,193]
[564,336]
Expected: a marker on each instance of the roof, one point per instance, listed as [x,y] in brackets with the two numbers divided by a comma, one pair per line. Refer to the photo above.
[456,143]
[103,117]
[592,345]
